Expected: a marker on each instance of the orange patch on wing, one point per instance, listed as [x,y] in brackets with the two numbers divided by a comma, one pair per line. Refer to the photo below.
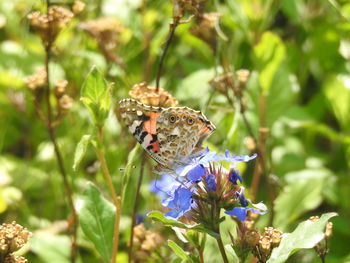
[150,126]
[156,147]
[204,130]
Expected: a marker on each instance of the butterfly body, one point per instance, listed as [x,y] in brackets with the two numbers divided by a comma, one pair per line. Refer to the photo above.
[172,136]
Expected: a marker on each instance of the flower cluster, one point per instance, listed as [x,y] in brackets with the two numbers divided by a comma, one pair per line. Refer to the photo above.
[204,185]
[12,238]
[205,28]
[48,26]
[37,81]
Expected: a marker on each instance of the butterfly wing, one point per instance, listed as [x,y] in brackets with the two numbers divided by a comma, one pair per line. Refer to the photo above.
[171,136]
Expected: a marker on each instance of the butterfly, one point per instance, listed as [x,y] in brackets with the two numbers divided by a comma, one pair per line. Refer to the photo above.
[171,136]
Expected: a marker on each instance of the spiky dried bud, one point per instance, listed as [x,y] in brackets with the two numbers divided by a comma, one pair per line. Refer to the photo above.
[15,259]
[78,7]
[205,29]
[65,102]
[47,26]
[60,87]
[12,237]
[37,81]
[150,96]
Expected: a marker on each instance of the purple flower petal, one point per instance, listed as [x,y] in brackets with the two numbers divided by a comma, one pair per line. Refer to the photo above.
[163,186]
[241,212]
[210,180]
[196,173]
[180,203]
[234,176]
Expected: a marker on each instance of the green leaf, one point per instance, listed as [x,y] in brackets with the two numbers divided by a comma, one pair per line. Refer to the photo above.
[159,217]
[306,235]
[96,217]
[337,91]
[51,248]
[81,150]
[179,251]
[269,54]
[95,95]
[302,193]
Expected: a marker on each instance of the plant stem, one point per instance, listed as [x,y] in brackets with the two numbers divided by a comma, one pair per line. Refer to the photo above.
[52,135]
[136,202]
[200,253]
[115,198]
[222,249]
[172,28]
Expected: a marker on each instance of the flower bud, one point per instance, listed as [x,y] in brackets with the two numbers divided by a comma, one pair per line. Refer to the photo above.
[60,87]
[78,7]
[65,102]
[37,81]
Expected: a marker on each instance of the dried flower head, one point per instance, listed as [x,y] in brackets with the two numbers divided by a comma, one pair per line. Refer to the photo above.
[60,87]
[78,7]
[145,242]
[242,76]
[222,83]
[149,96]
[65,102]
[48,26]
[322,248]
[15,259]
[106,31]
[37,81]
[205,29]
[181,6]
[12,238]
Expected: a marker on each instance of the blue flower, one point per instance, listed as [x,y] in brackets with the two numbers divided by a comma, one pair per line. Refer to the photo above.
[164,186]
[234,176]
[242,199]
[180,202]
[196,173]
[210,180]
[241,212]
[236,159]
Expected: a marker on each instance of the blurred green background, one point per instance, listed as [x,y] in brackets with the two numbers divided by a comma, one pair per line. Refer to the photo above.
[298,55]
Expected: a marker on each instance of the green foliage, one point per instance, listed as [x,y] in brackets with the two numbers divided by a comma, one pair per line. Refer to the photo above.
[96,217]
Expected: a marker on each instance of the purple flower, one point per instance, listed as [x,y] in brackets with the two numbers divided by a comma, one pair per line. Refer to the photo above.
[210,180]
[241,212]
[236,159]
[164,186]
[196,173]
[234,176]
[180,202]
[242,199]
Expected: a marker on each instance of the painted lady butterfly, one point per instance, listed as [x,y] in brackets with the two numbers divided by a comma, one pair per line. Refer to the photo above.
[171,136]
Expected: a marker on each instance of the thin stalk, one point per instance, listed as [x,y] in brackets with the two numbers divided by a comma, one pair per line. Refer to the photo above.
[172,28]
[222,249]
[115,198]
[200,253]
[136,202]
[52,135]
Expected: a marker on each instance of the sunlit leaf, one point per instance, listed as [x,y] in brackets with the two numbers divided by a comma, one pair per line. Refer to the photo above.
[96,217]
[81,150]
[306,235]
[179,251]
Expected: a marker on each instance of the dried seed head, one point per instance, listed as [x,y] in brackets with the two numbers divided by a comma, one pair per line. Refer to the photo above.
[205,29]
[149,96]
[47,26]
[15,259]
[222,83]
[12,237]
[60,87]
[78,7]
[252,237]
[65,102]
[181,6]
[37,81]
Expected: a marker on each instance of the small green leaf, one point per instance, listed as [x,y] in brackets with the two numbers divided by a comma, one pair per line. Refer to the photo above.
[179,251]
[81,150]
[96,217]
[95,94]
[159,217]
[306,235]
